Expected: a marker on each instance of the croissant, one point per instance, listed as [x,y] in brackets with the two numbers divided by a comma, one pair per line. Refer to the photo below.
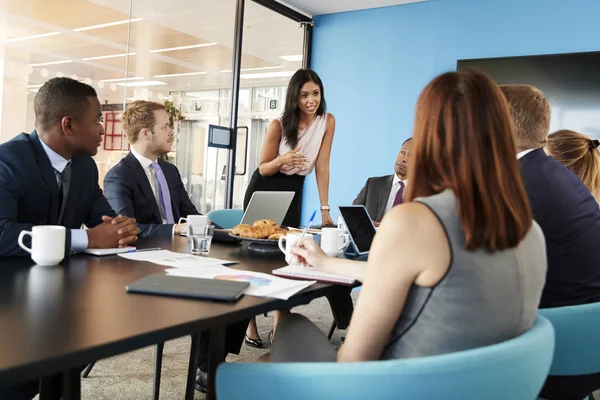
[237,230]
[279,232]
[266,222]
[251,232]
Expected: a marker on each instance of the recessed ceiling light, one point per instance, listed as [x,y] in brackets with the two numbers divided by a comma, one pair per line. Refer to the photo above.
[89,28]
[34,90]
[263,75]
[34,86]
[109,56]
[297,57]
[18,39]
[194,46]
[184,74]
[136,78]
[255,69]
[51,63]
[142,83]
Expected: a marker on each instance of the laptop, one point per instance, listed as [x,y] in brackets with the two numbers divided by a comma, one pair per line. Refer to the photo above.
[360,229]
[195,288]
[268,205]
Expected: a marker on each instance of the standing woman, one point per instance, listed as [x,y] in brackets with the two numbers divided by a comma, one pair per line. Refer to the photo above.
[295,145]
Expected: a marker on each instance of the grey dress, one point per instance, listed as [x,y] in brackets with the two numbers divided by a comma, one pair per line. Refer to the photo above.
[483,299]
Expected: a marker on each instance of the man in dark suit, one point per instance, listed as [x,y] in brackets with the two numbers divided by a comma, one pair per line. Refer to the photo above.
[150,190]
[142,185]
[49,178]
[569,217]
[381,193]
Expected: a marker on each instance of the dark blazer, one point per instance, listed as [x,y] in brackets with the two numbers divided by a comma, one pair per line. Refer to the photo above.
[129,193]
[29,193]
[374,195]
[570,219]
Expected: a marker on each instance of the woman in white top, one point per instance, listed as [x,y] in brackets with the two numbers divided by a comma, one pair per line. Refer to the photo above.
[295,145]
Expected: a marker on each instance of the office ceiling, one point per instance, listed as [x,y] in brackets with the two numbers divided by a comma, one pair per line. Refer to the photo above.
[319,7]
[98,55]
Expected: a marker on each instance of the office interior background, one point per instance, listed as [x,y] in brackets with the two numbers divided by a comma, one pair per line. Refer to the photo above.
[374,58]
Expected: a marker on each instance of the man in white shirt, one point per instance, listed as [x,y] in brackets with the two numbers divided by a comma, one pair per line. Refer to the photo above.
[381,193]
[143,186]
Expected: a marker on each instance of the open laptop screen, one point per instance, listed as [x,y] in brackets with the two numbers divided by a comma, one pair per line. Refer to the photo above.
[360,227]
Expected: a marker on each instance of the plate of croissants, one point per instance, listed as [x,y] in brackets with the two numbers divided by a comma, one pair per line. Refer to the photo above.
[263,230]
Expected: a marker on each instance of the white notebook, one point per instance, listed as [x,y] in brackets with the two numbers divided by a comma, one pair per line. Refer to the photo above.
[311,274]
[109,252]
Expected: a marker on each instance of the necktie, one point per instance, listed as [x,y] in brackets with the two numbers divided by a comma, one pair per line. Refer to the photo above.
[399,195]
[65,178]
[163,190]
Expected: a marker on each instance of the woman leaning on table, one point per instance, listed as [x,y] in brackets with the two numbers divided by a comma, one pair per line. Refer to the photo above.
[293,146]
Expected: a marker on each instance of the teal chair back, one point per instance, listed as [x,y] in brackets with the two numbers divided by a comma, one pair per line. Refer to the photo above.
[515,370]
[577,331]
[227,219]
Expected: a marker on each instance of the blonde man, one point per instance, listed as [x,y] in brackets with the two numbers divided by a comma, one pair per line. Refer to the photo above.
[569,217]
[143,186]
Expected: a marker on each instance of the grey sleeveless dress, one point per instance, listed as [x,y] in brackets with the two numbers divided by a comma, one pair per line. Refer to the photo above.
[483,299]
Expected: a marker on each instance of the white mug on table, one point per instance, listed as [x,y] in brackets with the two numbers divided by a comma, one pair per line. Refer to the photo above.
[47,244]
[334,241]
[291,240]
[193,220]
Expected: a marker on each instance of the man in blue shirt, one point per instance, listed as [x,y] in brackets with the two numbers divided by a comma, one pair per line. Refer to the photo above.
[49,178]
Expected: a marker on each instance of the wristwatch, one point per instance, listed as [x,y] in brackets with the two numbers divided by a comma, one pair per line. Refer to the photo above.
[323,208]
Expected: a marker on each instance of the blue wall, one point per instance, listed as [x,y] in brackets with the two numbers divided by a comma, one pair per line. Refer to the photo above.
[374,63]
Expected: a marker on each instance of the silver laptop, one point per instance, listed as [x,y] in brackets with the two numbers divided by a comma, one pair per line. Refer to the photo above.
[268,205]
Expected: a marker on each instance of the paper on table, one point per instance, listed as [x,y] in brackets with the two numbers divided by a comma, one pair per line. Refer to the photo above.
[175,260]
[261,285]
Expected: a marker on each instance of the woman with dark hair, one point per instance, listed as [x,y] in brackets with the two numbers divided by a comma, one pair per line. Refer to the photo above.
[293,146]
[580,154]
[462,263]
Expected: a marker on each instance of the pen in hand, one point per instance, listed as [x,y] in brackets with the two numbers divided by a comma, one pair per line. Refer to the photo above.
[306,228]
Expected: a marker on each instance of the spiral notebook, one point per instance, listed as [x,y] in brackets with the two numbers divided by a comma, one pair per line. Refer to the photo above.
[311,274]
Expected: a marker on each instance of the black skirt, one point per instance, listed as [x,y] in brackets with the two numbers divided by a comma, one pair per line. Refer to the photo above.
[279,182]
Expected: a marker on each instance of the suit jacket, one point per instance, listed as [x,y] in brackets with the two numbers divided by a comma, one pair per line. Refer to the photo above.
[129,193]
[374,195]
[570,219]
[29,193]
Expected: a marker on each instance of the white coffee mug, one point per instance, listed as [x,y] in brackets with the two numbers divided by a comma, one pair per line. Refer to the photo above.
[291,239]
[47,244]
[341,225]
[194,220]
[334,241]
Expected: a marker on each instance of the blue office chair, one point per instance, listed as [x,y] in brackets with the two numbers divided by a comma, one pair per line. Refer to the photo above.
[577,330]
[227,219]
[515,370]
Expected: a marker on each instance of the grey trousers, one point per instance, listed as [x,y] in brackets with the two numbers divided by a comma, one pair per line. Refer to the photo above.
[297,339]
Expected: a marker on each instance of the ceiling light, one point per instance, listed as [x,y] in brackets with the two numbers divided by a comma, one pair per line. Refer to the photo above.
[51,63]
[255,69]
[33,37]
[184,74]
[110,56]
[142,83]
[297,57]
[262,75]
[194,46]
[89,28]
[34,90]
[34,86]
[136,78]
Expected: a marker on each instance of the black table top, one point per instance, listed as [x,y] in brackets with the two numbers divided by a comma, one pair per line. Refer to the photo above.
[56,318]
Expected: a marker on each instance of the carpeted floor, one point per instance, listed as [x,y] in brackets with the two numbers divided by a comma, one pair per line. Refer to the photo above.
[129,376]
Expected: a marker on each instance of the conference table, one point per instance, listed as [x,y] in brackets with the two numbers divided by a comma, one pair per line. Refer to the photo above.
[55,320]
